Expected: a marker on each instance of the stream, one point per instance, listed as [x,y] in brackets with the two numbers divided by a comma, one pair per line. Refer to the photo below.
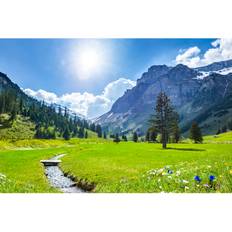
[58,180]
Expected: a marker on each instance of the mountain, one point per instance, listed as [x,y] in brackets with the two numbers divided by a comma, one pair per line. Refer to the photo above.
[18,110]
[216,66]
[203,94]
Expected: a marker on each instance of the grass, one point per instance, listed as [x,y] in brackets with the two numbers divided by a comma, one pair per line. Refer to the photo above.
[221,138]
[143,167]
[22,172]
[123,167]
[21,128]
[20,167]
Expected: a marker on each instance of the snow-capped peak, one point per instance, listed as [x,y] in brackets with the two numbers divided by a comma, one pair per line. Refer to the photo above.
[203,74]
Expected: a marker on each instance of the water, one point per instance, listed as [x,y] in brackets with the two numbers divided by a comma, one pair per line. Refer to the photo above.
[58,180]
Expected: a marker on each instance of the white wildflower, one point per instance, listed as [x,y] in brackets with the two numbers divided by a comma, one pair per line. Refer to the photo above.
[185,181]
[2,176]
[178,173]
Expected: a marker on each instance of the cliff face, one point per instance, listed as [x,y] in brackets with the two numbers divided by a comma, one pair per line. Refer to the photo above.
[190,94]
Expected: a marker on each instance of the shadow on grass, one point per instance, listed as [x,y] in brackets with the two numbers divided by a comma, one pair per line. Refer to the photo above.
[185,149]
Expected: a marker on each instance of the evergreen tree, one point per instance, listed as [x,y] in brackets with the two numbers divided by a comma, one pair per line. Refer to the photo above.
[124,138]
[75,131]
[92,127]
[147,136]
[112,136]
[13,114]
[153,135]
[81,132]
[195,133]
[164,119]
[224,129]
[104,135]
[99,131]
[218,131]
[66,112]
[21,105]
[135,137]
[86,134]
[66,134]
[59,111]
[50,120]
[117,139]
[176,132]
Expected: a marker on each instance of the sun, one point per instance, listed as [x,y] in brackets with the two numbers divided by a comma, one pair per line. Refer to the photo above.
[88,59]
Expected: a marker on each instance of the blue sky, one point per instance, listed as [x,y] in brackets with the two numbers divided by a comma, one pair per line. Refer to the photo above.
[98,70]
[37,63]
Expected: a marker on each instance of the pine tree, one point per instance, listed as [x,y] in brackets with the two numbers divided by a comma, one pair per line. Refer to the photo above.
[153,136]
[147,136]
[176,133]
[104,135]
[117,139]
[99,131]
[66,112]
[13,114]
[124,138]
[218,131]
[81,132]
[21,105]
[86,134]
[164,119]
[224,129]
[135,137]
[66,134]
[195,133]
[92,127]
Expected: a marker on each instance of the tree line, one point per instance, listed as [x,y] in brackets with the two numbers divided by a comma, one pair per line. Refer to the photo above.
[50,121]
[164,123]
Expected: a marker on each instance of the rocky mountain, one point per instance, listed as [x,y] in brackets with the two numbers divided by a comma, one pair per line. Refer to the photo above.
[203,94]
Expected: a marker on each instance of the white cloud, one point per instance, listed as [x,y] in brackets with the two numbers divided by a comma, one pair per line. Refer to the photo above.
[189,57]
[192,57]
[87,104]
[42,95]
[115,89]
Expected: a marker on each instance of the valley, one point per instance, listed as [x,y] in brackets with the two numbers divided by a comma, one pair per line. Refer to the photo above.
[120,152]
[116,168]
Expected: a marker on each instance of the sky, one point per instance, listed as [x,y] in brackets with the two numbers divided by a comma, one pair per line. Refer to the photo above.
[88,75]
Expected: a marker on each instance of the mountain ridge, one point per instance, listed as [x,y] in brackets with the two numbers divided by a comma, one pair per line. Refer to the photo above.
[50,120]
[183,85]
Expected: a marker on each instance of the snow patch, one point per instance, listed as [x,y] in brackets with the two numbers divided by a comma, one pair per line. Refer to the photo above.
[109,115]
[223,71]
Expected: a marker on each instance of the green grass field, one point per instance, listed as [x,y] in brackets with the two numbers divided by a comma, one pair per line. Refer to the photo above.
[123,167]
[221,138]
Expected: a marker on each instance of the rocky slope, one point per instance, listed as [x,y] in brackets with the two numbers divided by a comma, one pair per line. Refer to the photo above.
[201,94]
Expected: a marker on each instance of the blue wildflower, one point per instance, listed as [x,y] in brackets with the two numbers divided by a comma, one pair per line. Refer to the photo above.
[170,171]
[211,178]
[197,178]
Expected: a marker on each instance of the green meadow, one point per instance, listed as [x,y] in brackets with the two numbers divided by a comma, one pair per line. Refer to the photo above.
[124,167]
